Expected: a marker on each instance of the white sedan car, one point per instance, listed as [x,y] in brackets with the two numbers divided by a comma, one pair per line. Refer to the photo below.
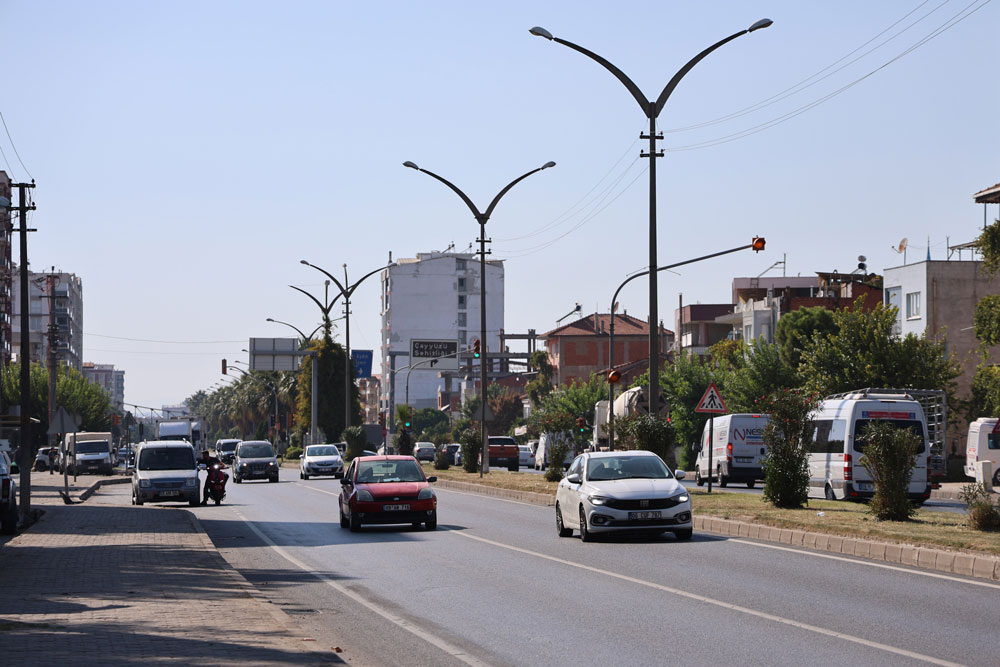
[526,457]
[622,491]
[321,460]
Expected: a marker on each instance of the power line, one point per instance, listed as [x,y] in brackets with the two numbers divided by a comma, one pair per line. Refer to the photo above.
[93,349]
[168,342]
[15,148]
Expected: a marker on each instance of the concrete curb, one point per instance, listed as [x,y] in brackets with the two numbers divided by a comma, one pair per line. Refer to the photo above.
[981,566]
[93,488]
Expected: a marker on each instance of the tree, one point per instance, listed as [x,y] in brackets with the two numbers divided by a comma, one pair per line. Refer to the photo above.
[759,371]
[788,436]
[863,352]
[988,245]
[683,383]
[796,329]
[541,386]
[650,433]
[560,409]
[330,379]
[889,456]
[506,407]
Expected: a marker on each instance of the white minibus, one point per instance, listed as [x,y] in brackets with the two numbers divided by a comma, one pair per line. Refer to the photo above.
[737,452]
[835,470]
[983,445]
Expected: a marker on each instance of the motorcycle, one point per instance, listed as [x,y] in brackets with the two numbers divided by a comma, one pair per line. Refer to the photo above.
[217,483]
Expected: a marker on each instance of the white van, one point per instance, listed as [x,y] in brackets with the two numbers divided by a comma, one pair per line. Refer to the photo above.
[88,452]
[545,443]
[737,450]
[983,445]
[165,471]
[835,470]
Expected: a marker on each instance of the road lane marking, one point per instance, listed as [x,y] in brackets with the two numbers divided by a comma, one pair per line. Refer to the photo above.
[883,566]
[718,603]
[503,500]
[396,619]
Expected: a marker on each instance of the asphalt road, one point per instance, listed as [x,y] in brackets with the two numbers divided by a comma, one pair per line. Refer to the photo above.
[496,585]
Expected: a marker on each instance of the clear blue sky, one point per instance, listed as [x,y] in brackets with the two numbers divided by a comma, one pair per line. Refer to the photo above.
[189,154]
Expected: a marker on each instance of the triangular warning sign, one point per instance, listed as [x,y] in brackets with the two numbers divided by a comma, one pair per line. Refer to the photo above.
[711,401]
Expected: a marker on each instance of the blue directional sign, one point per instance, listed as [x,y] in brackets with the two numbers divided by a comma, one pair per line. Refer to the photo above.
[362,360]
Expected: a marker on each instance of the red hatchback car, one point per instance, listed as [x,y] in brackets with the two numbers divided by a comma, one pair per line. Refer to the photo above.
[387,489]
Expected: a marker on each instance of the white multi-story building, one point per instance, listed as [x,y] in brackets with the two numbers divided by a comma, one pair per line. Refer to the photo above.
[54,299]
[110,379]
[434,296]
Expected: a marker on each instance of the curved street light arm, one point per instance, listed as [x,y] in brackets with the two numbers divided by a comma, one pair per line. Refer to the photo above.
[350,290]
[304,337]
[336,282]
[620,75]
[324,309]
[669,88]
[496,200]
[465,198]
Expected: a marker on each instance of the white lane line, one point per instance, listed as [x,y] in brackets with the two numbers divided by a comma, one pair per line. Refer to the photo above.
[396,619]
[719,603]
[867,563]
[313,488]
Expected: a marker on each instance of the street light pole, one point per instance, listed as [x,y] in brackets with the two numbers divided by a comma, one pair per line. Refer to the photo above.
[757,244]
[345,292]
[652,109]
[482,219]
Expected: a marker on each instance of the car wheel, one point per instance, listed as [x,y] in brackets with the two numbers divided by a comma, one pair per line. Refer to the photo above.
[138,501]
[996,479]
[304,476]
[343,519]
[432,523]
[560,527]
[354,523]
[585,535]
[237,479]
[684,534]
[272,480]
[751,484]
[698,479]
[723,480]
[828,493]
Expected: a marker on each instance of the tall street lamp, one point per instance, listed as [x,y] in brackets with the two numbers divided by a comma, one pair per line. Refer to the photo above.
[482,219]
[305,338]
[345,292]
[652,109]
[757,244]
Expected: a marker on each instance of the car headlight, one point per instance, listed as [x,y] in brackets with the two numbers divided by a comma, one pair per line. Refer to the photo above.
[425,494]
[191,482]
[598,500]
[682,497]
[145,483]
[243,465]
[270,463]
[365,496]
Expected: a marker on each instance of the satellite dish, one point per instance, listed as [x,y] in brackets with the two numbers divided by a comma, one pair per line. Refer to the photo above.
[862,258]
[902,245]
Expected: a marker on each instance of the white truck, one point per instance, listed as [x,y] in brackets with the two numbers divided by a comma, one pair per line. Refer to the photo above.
[88,452]
[188,429]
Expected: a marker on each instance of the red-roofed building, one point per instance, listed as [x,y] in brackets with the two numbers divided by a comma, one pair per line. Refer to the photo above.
[580,348]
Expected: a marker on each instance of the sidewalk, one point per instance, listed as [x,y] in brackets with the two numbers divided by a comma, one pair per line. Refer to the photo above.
[112,583]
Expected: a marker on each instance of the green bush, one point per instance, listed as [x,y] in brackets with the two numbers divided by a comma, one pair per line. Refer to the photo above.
[356,441]
[889,456]
[472,443]
[293,453]
[650,433]
[441,461]
[982,514]
[787,437]
[557,450]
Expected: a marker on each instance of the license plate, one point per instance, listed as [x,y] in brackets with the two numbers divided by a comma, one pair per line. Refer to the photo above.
[744,459]
[170,493]
[865,486]
[640,516]
[396,508]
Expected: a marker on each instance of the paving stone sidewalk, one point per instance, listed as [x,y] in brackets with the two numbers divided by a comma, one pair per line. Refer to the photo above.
[115,584]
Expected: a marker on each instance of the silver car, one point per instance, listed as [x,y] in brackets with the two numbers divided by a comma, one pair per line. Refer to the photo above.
[622,491]
[321,460]
[255,459]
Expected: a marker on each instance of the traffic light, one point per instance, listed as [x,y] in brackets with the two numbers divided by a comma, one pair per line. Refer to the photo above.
[580,424]
[381,419]
[116,420]
[614,377]
[475,348]
[223,366]
[271,420]
[406,422]
[758,243]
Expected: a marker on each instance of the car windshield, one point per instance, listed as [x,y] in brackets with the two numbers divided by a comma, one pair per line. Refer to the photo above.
[262,451]
[322,450]
[166,458]
[376,472]
[92,447]
[916,427]
[626,467]
[227,446]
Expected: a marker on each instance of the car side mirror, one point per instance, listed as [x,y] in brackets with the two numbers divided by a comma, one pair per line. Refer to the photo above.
[696,448]
[344,481]
[14,468]
[574,478]
[432,479]
[680,474]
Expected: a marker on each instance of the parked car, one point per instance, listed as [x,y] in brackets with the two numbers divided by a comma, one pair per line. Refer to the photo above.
[255,459]
[527,457]
[424,451]
[622,491]
[165,471]
[387,490]
[454,452]
[319,460]
[225,449]
[8,495]
[42,458]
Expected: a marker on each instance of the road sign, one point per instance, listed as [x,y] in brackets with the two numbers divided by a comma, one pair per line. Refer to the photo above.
[62,422]
[429,350]
[712,401]
[274,354]
[362,360]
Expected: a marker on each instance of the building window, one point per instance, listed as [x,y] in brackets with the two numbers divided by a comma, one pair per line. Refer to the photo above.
[747,333]
[460,264]
[913,306]
[461,301]
[461,320]
[461,284]
[462,336]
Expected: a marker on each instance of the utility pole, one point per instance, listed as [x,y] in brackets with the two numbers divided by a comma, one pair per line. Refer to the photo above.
[51,340]
[24,358]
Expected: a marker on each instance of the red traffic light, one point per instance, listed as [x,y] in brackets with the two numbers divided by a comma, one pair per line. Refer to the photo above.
[758,243]
[614,377]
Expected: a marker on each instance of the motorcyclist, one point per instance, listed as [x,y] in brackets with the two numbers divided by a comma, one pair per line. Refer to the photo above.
[208,460]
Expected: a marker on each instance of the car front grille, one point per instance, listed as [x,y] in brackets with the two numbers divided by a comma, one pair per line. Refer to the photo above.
[258,468]
[168,484]
[644,504]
